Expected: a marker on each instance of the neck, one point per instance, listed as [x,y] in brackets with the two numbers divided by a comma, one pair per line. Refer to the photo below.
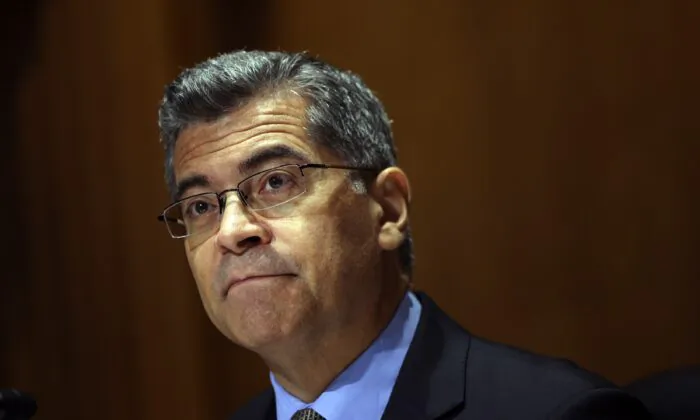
[308,369]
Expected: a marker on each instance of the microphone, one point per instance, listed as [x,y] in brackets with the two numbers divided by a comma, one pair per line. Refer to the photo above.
[16,405]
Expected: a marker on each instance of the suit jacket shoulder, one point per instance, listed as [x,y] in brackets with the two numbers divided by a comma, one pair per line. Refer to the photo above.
[530,385]
[451,374]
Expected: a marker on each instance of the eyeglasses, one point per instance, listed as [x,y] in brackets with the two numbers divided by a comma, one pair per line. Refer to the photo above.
[266,190]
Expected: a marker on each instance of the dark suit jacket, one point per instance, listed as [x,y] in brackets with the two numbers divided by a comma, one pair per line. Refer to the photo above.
[450,374]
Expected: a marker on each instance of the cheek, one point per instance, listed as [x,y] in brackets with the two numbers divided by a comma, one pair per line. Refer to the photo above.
[201,264]
[333,249]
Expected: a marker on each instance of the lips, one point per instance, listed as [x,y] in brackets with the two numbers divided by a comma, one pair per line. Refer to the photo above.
[252,277]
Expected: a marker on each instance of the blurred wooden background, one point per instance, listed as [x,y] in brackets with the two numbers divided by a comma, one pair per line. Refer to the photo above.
[552,147]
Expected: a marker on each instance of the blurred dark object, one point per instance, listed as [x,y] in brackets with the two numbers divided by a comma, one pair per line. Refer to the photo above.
[16,405]
[18,40]
[670,395]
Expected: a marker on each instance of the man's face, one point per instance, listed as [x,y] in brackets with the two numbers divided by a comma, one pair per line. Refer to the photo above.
[267,279]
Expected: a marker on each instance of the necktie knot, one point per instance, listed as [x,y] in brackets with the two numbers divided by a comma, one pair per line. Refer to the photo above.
[307,414]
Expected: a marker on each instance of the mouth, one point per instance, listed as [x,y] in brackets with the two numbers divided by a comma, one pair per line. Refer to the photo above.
[235,282]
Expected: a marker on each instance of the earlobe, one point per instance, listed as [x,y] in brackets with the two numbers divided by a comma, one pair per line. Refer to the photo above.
[390,237]
[393,193]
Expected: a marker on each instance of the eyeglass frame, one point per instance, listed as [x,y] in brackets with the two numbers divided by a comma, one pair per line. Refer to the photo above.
[221,196]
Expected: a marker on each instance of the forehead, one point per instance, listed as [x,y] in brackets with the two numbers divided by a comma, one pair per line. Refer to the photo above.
[273,119]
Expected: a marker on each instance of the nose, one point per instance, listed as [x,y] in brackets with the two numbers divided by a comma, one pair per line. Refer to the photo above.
[239,229]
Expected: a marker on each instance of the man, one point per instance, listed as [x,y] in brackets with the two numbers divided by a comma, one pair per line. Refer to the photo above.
[294,217]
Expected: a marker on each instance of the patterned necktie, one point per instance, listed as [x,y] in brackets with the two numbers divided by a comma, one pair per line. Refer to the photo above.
[307,414]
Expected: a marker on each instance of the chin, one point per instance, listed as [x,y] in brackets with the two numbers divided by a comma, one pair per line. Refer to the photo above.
[254,332]
[257,341]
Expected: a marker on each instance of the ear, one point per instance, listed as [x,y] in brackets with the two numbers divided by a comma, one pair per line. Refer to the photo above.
[392,192]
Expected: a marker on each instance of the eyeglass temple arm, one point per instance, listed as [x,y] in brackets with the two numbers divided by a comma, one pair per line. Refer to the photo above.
[324,166]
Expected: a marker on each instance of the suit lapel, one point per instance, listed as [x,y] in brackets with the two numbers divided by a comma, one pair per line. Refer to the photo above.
[431,382]
[271,413]
[261,407]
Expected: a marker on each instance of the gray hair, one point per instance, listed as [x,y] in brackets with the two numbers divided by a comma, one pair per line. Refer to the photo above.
[342,114]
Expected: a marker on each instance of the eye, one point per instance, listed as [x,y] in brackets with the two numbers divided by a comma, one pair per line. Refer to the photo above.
[277,182]
[199,207]
[273,187]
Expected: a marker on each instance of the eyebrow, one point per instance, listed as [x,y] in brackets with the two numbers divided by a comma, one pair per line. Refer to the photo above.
[260,158]
[250,164]
[190,182]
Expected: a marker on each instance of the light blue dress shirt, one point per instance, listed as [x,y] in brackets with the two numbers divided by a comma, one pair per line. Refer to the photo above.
[362,390]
